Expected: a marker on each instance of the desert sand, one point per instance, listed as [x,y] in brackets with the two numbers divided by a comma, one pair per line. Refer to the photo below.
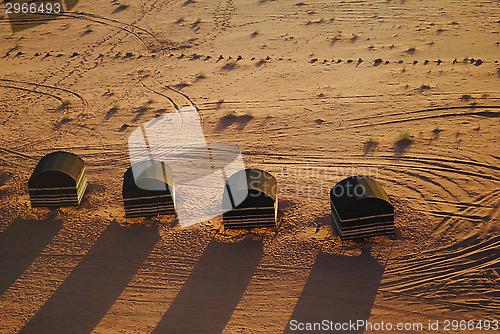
[300,87]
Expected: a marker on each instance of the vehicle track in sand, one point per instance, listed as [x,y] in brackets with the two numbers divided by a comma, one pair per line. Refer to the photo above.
[446,271]
[147,38]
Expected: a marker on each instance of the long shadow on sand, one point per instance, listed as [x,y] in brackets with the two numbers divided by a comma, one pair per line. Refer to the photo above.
[21,243]
[210,295]
[339,289]
[94,285]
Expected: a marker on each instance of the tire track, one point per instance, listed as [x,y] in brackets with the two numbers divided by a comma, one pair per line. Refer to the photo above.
[483,222]
[314,130]
[447,272]
[44,89]
[83,101]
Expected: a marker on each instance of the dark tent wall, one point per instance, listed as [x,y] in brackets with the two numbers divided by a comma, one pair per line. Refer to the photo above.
[59,179]
[361,208]
[250,200]
[151,192]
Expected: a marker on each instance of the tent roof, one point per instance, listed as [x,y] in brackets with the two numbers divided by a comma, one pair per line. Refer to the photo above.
[254,179]
[154,176]
[56,163]
[360,193]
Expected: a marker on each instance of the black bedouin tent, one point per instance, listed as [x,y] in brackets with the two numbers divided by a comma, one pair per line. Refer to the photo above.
[59,179]
[361,208]
[151,192]
[250,200]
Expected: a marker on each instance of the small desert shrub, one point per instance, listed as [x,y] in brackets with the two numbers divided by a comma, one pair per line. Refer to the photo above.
[249,114]
[229,114]
[230,65]
[182,84]
[201,75]
[255,33]
[372,141]
[180,19]
[65,118]
[424,88]
[198,21]
[66,102]
[146,105]
[116,106]
[123,5]
[221,101]
[404,138]
[88,28]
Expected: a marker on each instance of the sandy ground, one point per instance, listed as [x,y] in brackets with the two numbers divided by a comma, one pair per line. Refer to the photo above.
[308,93]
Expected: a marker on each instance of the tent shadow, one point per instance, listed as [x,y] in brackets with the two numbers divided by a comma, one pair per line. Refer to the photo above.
[214,288]
[21,243]
[339,289]
[89,291]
